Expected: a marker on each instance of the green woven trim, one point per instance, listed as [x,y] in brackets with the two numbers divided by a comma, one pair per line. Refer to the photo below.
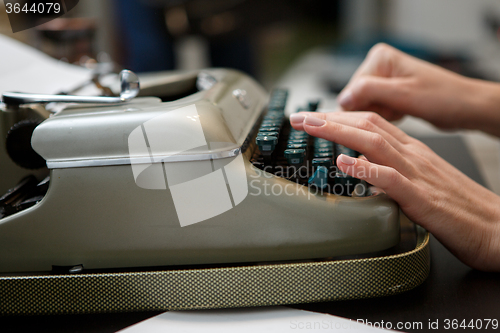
[243,286]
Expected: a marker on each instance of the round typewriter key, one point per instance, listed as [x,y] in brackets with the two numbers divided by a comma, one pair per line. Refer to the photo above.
[271,123]
[277,105]
[323,150]
[266,143]
[273,114]
[296,146]
[298,135]
[269,129]
[295,139]
[276,134]
[322,155]
[326,162]
[277,102]
[313,105]
[319,178]
[323,146]
[340,149]
[279,92]
[295,156]
[275,118]
[280,109]
[298,141]
[278,97]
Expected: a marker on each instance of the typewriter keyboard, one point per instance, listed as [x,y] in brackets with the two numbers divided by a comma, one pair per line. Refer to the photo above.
[299,157]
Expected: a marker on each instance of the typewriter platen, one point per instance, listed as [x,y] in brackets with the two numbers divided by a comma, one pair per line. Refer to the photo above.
[210,173]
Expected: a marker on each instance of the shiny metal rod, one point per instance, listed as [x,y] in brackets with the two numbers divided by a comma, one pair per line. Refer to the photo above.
[129,83]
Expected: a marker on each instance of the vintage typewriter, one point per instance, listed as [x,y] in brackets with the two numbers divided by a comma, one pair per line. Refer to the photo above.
[196,194]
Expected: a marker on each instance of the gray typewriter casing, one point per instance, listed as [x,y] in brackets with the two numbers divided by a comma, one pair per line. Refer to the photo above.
[96,214]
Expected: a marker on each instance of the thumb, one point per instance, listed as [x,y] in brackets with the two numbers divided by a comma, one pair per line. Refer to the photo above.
[368,91]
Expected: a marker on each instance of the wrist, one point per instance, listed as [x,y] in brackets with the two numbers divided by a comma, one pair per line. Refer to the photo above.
[488,255]
[481,109]
[480,248]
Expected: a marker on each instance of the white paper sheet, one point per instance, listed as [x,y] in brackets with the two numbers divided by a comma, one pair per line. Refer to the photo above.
[25,69]
[268,319]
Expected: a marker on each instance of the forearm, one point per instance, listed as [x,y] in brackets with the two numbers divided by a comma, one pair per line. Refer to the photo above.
[482,107]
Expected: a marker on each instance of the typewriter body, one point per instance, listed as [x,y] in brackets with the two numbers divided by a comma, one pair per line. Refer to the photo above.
[197,179]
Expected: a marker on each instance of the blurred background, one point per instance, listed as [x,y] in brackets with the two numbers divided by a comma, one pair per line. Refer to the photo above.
[265,38]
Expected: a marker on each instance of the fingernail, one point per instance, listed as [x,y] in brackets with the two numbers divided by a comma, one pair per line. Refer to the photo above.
[345,100]
[347,159]
[297,118]
[313,121]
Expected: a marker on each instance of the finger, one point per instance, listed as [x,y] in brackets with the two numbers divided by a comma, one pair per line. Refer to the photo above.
[386,178]
[364,120]
[380,121]
[377,62]
[372,145]
[366,91]
[380,61]
[296,119]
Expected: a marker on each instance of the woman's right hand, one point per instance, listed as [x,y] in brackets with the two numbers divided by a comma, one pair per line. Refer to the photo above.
[393,84]
[462,214]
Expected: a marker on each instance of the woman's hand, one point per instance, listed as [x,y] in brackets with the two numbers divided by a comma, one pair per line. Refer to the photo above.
[463,215]
[393,84]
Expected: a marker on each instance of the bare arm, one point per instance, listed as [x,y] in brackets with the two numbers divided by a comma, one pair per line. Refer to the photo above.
[393,84]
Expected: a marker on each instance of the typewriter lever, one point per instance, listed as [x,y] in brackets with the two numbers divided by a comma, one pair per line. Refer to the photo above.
[129,83]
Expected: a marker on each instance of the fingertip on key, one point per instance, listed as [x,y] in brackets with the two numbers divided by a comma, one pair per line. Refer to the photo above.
[297,118]
[347,160]
[313,121]
[346,100]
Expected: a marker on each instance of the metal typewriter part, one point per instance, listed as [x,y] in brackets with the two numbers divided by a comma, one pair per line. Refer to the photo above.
[125,190]
[129,83]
